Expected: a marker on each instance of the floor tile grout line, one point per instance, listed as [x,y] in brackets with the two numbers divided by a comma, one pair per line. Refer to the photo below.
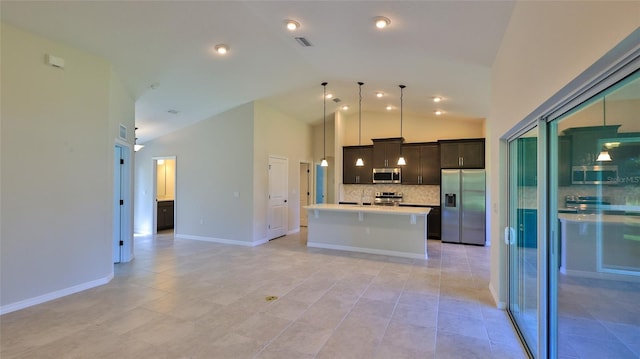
[395,305]
[353,306]
[316,301]
[435,344]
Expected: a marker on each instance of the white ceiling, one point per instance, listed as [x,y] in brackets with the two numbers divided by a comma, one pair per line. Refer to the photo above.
[443,48]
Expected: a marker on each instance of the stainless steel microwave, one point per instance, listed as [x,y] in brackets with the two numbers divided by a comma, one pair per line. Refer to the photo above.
[387,175]
[594,174]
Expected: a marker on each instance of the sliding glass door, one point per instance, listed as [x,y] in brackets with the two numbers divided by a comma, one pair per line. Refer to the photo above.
[521,236]
[573,226]
[596,277]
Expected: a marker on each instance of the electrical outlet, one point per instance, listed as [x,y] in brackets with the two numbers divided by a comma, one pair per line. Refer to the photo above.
[201,220]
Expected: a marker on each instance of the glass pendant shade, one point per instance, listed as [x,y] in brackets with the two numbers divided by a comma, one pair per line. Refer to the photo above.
[359,161]
[324,162]
[604,156]
[401,161]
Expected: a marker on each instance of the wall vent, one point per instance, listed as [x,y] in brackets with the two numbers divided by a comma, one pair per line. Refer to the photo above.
[303,42]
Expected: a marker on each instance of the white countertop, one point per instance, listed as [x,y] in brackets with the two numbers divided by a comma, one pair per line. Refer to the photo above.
[370,209]
[604,218]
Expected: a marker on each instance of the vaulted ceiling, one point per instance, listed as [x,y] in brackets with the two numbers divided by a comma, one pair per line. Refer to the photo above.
[163,50]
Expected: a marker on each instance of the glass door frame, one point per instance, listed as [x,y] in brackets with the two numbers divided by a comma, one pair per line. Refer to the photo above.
[541,223]
[619,63]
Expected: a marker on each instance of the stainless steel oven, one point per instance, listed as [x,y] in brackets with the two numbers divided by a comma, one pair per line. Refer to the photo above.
[386,175]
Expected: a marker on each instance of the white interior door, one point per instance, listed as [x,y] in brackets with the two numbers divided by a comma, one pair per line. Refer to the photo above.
[304,192]
[278,206]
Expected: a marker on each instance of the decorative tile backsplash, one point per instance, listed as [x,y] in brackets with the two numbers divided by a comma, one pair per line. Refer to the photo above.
[616,195]
[423,194]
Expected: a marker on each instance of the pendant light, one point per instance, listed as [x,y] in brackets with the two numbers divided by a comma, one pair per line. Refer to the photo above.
[604,155]
[401,161]
[324,162]
[359,161]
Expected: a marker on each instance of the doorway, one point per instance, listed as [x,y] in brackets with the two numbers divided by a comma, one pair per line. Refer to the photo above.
[321,188]
[305,191]
[164,179]
[122,232]
[278,211]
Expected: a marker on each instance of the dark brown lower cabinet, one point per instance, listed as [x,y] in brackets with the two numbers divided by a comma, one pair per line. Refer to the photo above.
[433,223]
[165,215]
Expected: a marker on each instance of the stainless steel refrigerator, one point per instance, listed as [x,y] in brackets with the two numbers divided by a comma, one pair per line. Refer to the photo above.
[462,206]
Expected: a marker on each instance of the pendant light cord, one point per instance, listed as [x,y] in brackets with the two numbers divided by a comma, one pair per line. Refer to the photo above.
[401,98]
[324,121]
[360,112]
[604,112]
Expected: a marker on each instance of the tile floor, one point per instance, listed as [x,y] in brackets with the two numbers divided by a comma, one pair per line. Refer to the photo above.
[190,299]
[598,318]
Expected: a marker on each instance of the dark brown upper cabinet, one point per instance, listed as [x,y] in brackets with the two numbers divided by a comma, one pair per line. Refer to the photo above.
[467,153]
[386,152]
[423,163]
[352,174]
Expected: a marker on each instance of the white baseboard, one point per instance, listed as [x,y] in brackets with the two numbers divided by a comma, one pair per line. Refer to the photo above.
[367,250]
[54,295]
[293,231]
[221,240]
[496,298]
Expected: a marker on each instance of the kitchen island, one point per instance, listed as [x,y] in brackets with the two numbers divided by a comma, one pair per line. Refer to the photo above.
[387,230]
[594,244]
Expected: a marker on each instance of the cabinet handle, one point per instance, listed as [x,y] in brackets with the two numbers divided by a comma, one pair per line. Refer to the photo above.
[357,179]
[462,161]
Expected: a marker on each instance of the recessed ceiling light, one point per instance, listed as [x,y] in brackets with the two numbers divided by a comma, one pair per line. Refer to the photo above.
[379,94]
[382,22]
[437,99]
[389,108]
[292,25]
[329,95]
[222,49]
[345,107]
[437,112]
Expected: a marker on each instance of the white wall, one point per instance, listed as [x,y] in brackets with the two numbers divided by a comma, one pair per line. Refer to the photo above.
[279,135]
[214,159]
[122,111]
[414,128]
[217,157]
[57,143]
[547,44]
[332,155]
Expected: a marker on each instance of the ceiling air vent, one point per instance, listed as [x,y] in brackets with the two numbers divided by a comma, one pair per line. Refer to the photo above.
[303,42]
[337,100]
